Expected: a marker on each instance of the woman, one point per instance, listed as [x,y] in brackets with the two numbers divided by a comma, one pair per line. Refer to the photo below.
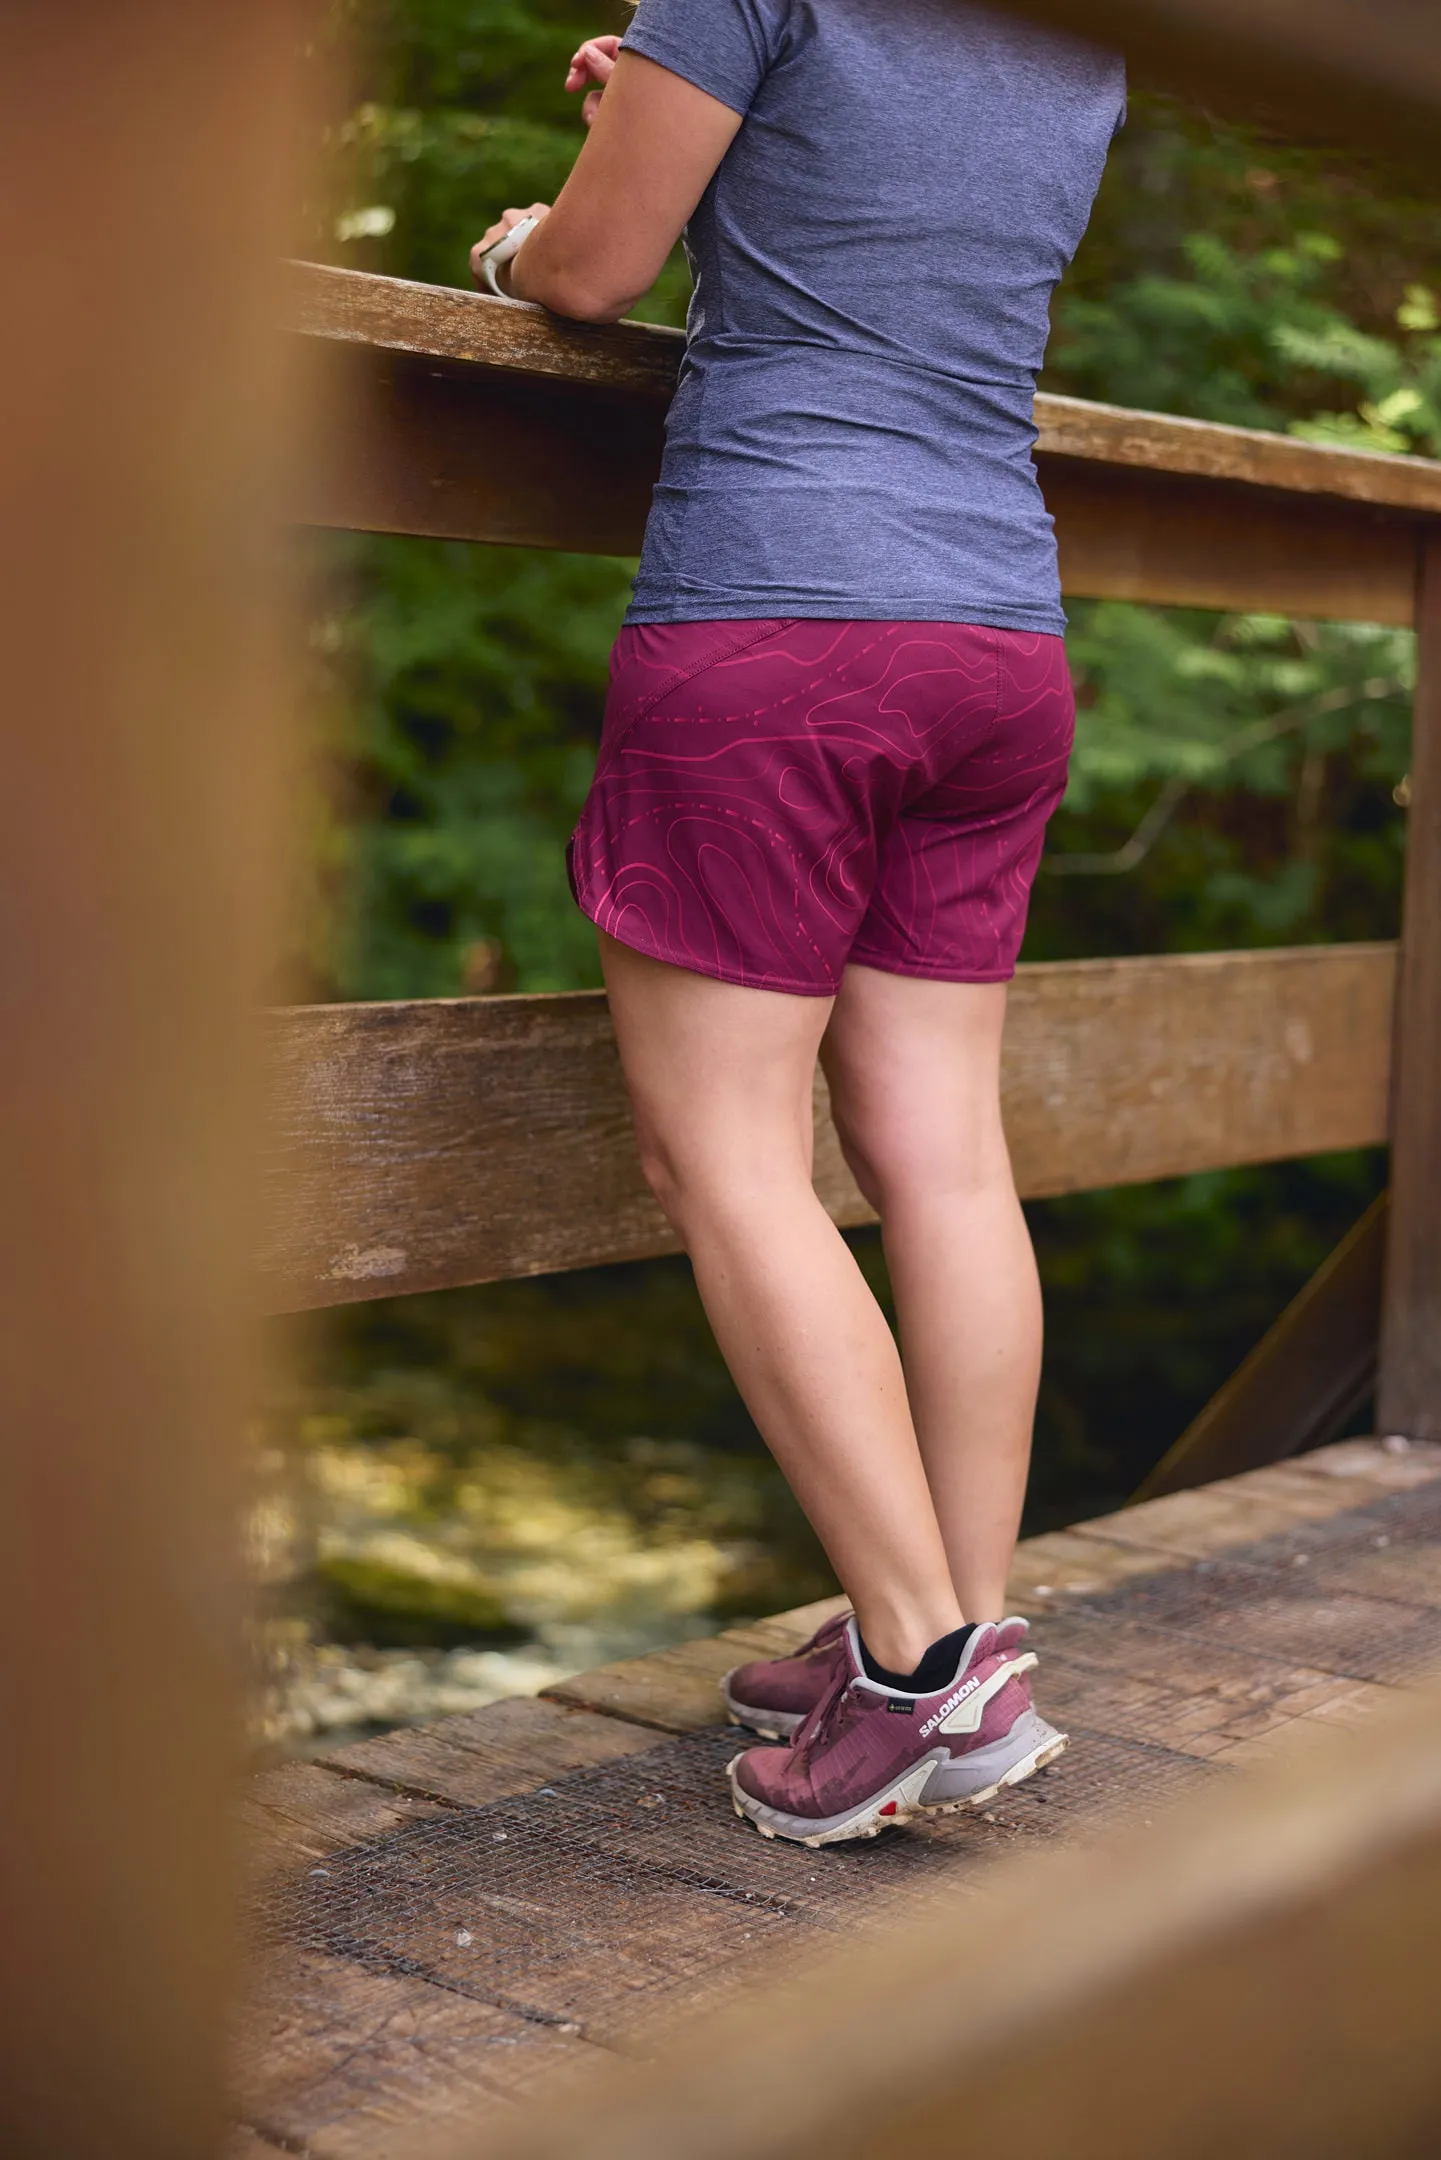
[839,718]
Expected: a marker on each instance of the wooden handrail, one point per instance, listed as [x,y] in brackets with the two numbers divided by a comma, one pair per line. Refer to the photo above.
[441,322]
[420,1145]
[640,360]
[481,419]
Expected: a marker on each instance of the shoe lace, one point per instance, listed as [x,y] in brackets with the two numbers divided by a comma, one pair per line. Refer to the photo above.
[828,1718]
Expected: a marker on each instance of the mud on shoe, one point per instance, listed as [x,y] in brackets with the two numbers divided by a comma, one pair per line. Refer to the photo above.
[871,1757]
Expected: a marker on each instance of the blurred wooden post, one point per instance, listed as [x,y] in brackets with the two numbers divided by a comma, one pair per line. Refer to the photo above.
[145,185]
[1332,71]
[1410,1384]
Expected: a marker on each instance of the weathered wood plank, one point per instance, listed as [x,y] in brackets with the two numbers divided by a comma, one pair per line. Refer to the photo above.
[1115,1700]
[294,1817]
[424,1144]
[483,1755]
[422,447]
[1309,1373]
[1199,1696]
[1155,1536]
[1385,1466]
[1282,1614]
[1210,1520]
[444,322]
[1120,1071]
[340,2062]
[1410,1382]
[1168,541]
[674,1690]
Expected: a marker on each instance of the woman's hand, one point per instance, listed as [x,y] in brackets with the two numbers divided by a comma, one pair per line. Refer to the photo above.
[645,163]
[492,233]
[593,63]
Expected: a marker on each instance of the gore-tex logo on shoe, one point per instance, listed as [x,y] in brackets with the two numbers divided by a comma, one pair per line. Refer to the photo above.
[899,1705]
[950,1704]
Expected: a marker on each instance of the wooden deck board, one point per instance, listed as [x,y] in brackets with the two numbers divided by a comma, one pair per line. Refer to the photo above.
[335,2057]
[460,1916]
[296,1818]
[484,1755]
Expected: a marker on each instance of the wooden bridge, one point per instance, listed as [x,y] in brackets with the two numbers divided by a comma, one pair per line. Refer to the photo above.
[450,1920]
[462,1916]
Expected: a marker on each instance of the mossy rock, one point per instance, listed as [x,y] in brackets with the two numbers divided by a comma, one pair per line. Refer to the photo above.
[371,1602]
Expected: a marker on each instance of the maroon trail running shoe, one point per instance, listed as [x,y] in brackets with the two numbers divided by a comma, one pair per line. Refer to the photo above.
[870,1756]
[773,1696]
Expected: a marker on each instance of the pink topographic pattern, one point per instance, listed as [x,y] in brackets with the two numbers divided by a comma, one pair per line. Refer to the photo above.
[773,799]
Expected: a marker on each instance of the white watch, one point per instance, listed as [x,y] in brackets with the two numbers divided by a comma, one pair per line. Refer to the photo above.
[501,251]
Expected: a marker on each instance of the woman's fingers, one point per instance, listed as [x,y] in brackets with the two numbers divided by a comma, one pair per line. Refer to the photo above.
[592,63]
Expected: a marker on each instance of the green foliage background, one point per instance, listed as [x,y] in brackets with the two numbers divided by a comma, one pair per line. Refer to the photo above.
[1233,779]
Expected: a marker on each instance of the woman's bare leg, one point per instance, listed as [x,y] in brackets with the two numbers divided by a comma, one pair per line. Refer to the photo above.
[914,1071]
[720,1081]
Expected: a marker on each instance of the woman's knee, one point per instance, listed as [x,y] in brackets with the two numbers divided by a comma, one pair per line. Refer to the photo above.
[898,1160]
[705,1179]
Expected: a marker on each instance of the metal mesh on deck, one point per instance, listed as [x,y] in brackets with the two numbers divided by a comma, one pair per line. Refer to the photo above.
[634,1880]
[589,1902]
[1308,1595]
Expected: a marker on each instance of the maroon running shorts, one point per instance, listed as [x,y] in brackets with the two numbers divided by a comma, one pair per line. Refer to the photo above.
[775,799]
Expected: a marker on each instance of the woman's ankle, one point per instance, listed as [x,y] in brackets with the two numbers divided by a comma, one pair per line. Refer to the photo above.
[898,1640]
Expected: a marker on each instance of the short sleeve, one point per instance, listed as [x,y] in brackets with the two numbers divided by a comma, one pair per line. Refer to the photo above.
[724,47]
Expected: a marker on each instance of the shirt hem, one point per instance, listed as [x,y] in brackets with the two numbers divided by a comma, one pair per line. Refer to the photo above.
[796,607]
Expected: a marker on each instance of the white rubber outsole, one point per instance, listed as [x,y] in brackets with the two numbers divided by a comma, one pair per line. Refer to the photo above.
[896,1804]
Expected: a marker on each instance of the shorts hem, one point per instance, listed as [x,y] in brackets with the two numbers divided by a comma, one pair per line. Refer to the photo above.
[924,972]
[717,971]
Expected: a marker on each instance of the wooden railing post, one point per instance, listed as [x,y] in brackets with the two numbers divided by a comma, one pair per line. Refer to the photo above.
[145,189]
[1409,1400]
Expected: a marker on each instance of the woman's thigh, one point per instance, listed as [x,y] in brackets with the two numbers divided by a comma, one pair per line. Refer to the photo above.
[914,1073]
[720,1075]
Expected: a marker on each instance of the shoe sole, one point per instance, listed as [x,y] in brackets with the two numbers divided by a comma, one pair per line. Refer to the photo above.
[769,1724]
[895,1804]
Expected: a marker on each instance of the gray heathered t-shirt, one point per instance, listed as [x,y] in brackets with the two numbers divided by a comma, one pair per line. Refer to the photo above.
[874,262]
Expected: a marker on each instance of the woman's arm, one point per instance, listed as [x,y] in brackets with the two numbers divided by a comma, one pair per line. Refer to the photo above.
[653,145]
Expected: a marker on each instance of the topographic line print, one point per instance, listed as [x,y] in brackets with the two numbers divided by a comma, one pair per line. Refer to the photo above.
[774,799]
